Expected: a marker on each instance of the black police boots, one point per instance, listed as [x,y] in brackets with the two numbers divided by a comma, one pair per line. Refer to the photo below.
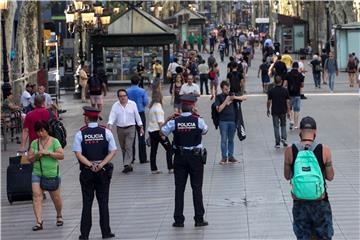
[201,224]
[177,224]
[110,235]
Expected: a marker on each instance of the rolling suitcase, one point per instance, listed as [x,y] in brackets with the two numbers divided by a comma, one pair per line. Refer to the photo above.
[19,182]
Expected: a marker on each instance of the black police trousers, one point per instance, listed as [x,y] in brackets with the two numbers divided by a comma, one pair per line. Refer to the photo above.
[98,183]
[184,165]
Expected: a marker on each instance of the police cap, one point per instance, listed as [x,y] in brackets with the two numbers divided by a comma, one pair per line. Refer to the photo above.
[91,111]
[188,99]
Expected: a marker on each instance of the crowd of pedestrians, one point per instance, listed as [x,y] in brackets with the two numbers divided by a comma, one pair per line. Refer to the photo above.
[282,78]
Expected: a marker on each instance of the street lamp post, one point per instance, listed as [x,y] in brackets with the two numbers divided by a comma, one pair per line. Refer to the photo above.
[85,18]
[6,87]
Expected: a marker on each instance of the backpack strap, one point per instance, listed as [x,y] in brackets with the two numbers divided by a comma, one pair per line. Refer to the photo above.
[310,147]
[51,114]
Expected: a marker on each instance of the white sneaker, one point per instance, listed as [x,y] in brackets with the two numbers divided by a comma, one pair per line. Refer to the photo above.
[156,172]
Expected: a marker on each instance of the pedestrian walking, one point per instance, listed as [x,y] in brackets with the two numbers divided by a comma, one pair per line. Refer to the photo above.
[190,88]
[221,49]
[278,68]
[226,107]
[83,77]
[204,76]
[39,113]
[172,70]
[294,81]
[214,74]
[199,42]
[279,103]
[189,159]
[158,72]
[265,79]
[125,115]
[303,71]
[191,41]
[45,154]
[211,60]
[316,70]
[308,165]
[236,81]
[156,121]
[175,98]
[94,147]
[140,97]
[351,69]
[140,69]
[287,59]
[212,42]
[96,89]
[331,69]
[204,44]
[324,56]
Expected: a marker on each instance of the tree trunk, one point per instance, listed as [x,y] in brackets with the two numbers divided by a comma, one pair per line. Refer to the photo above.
[9,26]
[27,52]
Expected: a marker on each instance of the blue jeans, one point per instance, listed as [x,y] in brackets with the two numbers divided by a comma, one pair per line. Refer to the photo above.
[279,120]
[317,79]
[331,77]
[227,132]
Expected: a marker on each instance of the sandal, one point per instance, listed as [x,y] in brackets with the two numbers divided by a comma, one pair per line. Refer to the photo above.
[38,226]
[59,221]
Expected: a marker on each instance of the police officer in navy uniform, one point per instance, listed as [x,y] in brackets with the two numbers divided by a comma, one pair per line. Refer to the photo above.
[94,147]
[187,130]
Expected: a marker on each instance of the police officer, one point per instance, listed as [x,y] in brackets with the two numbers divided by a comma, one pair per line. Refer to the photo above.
[94,147]
[187,130]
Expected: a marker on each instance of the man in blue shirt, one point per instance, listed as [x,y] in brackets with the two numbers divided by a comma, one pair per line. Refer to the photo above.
[140,97]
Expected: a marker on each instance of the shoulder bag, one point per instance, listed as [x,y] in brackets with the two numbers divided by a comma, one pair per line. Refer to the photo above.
[49,183]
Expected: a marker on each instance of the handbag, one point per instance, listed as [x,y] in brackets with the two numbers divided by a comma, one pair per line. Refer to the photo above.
[49,183]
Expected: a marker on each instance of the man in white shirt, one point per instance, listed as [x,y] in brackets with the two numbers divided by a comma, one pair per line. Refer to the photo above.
[124,114]
[204,76]
[26,98]
[172,68]
[190,88]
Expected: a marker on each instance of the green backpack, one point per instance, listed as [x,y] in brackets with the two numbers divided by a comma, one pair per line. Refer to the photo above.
[307,181]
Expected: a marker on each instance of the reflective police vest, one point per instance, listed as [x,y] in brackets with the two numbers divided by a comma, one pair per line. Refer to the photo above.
[187,132]
[94,145]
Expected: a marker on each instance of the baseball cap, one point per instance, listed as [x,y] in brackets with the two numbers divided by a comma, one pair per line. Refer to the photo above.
[307,123]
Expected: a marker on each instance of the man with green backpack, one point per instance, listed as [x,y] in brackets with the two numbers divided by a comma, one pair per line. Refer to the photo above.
[307,164]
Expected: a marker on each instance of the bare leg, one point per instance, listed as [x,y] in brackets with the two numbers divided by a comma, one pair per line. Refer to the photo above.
[37,201]
[56,198]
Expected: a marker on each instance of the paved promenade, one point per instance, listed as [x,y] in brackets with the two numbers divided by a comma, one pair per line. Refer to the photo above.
[248,200]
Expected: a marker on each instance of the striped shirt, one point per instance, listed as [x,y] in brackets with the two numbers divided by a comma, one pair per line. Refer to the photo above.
[156,115]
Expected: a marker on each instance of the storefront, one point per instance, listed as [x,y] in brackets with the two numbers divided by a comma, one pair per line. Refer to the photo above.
[347,35]
[291,32]
[133,37]
[188,21]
